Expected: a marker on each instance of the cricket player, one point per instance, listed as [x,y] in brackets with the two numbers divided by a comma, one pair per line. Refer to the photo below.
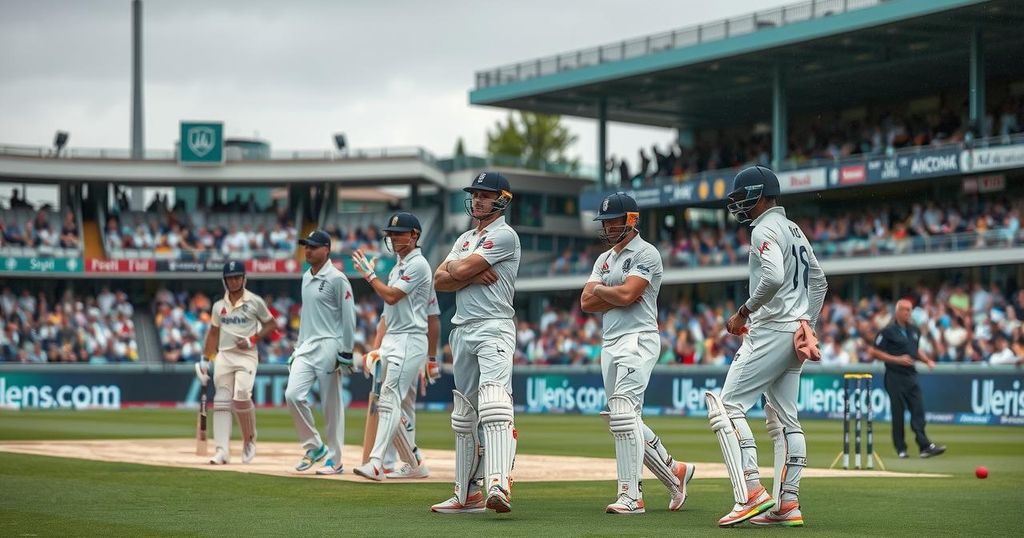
[238,321]
[481,269]
[324,348]
[404,346]
[787,289]
[624,286]
[429,375]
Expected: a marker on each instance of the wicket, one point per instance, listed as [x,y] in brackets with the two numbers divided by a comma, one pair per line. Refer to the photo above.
[860,386]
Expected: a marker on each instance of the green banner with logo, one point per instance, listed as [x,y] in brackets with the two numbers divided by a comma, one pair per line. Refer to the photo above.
[41,264]
[201,143]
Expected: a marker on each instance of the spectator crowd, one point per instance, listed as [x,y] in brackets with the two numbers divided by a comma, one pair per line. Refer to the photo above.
[39,327]
[822,138]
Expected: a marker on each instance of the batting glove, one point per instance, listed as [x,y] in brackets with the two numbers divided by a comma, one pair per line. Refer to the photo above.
[433,370]
[246,343]
[344,361]
[370,361]
[203,371]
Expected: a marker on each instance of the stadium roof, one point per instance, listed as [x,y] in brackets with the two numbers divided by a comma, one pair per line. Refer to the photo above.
[834,54]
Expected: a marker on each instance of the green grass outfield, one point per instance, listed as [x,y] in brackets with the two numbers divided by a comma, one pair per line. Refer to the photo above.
[42,496]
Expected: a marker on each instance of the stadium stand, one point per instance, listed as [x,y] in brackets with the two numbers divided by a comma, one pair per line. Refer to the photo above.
[41,328]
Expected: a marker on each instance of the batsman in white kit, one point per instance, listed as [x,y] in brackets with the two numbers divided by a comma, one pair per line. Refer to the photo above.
[624,286]
[404,346]
[787,289]
[428,376]
[481,269]
[323,351]
[237,322]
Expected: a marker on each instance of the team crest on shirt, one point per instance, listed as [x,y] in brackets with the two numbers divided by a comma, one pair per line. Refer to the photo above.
[762,248]
[348,294]
[626,264]
[223,311]
[604,268]
[465,245]
[487,245]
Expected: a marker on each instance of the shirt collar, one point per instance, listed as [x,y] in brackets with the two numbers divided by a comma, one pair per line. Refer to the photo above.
[771,210]
[498,222]
[634,244]
[324,271]
[412,254]
[246,297]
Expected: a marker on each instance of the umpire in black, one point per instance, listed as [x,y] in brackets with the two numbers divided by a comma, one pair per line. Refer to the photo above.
[896,345]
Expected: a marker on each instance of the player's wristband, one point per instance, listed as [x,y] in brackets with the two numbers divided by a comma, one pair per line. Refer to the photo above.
[371,277]
[432,359]
[744,311]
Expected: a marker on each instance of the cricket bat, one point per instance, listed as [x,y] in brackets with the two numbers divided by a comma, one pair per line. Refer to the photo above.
[370,432]
[201,423]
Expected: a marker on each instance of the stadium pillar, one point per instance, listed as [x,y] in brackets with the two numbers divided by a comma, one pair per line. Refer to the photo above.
[602,141]
[977,83]
[414,196]
[137,128]
[779,117]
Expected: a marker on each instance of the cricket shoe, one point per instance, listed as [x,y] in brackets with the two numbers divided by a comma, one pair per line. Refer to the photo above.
[330,468]
[788,515]
[249,450]
[932,450]
[684,472]
[499,500]
[758,501]
[220,457]
[311,457]
[408,471]
[370,471]
[474,504]
[626,505]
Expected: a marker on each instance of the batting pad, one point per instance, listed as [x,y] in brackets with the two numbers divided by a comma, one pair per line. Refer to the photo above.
[624,423]
[467,455]
[722,425]
[496,417]
[658,460]
[246,413]
[389,414]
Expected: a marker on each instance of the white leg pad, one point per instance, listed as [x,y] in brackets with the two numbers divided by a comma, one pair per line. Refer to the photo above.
[222,423]
[496,416]
[796,460]
[779,442]
[658,460]
[729,440]
[624,423]
[389,414]
[467,444]
[404,443]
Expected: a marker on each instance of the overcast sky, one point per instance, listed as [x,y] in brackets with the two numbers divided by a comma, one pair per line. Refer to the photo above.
[386,73]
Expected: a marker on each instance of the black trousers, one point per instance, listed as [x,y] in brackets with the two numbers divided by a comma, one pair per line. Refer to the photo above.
[904,393]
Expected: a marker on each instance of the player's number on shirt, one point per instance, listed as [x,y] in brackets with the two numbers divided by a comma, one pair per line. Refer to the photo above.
[799,259]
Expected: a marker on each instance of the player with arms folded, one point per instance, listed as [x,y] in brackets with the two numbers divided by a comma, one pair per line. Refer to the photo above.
[624,286]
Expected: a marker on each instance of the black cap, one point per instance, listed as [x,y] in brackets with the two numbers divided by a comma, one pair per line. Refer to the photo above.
[616,205]
[234,268]
[316,238]
[403,222]
[489,181]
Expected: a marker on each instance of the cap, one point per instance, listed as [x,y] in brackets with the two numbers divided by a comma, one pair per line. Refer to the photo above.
[489,181]
[617,205]
[316,238]
[234,268]
[403,222]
